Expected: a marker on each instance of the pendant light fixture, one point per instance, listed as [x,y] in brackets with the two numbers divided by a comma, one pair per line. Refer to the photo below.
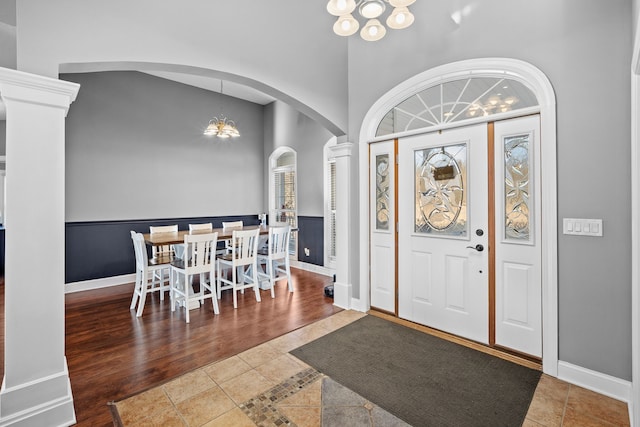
[221,127]
[371,10]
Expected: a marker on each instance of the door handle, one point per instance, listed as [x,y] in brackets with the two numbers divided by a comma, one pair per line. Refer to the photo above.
[477,247]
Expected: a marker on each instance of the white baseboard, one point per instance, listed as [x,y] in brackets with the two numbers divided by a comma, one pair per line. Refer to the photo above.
[313,268]
[46,401]
[105,282]
[358,305]
[600,383]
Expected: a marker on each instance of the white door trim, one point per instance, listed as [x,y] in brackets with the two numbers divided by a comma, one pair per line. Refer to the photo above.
[533,78]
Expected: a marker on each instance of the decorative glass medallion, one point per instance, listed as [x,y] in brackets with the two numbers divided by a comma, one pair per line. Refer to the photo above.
[441,200]
[382,192]
[516,188]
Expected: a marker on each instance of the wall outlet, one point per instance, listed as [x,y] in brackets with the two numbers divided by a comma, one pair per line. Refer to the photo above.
[306,251]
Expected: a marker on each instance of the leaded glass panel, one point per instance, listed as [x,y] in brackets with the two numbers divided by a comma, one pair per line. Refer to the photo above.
[456,101]
[440,190]
[517,203]
[383,182]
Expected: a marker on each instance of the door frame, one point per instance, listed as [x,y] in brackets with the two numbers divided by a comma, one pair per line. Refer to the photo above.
[535,80]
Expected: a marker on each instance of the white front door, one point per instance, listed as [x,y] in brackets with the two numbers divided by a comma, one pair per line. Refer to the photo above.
[443,231]
[383,225]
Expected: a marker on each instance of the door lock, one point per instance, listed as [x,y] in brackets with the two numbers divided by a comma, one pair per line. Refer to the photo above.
[477,247]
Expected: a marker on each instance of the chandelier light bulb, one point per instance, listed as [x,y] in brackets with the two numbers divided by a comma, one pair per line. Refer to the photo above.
[400,18]
[346,25]
[373,31]
[341,7]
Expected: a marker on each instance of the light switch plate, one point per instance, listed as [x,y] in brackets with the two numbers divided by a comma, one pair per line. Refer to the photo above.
[582,227]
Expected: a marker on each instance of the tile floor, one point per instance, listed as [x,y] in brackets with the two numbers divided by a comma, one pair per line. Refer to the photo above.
[266,386]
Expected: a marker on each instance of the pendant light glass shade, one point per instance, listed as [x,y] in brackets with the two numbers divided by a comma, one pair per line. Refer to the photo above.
[401,3]
[373,31]
[341,7]
[346,25]
[400,18]
[372,8]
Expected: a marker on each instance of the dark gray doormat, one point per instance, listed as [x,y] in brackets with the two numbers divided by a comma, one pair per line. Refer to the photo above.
[422,379]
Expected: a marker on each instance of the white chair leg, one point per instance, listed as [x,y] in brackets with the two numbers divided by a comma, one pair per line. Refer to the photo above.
[235,294]
[187,282]
[136,290]
[143,294]
[272,281]
[172,295]
[288,268]
[256,287]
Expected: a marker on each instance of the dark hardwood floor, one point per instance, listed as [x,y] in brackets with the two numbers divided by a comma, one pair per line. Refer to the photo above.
[111,354]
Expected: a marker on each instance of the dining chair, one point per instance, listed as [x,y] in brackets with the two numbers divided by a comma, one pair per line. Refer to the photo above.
[201,260]
[201,227]
[242,261]
[162,255]
[145,275]
[227,225]
[275,257]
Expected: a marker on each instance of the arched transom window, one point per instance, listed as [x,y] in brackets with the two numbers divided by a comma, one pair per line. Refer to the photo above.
[457,101]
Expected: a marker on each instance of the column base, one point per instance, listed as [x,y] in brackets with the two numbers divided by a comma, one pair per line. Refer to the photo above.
[45,401]
[342,295]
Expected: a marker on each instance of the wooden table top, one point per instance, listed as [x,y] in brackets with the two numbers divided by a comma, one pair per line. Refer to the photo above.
[174,238]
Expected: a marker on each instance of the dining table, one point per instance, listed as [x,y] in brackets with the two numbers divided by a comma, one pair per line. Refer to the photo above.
[177,237]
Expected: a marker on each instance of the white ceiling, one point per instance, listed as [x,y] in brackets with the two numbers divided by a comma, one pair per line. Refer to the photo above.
[228,88]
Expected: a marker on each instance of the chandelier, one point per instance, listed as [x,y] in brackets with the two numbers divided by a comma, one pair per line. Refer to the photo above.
[221,127]
[371,10]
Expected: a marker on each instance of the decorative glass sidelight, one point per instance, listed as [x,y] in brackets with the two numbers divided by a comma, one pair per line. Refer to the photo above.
[440,196]
[383,181]
[517,203]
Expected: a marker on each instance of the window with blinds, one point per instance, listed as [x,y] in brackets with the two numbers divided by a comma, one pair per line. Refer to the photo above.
[331,209]
[283,204]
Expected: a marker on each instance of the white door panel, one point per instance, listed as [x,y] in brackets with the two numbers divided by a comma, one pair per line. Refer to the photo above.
[442,279]
[518,234]
[383,225]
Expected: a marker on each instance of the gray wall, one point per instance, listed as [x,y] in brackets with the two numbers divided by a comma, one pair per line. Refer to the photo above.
[287,127]
[8,50]
[135,150]
[584,47]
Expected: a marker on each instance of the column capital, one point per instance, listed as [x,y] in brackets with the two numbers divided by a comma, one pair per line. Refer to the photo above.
[344,149]
[32,88]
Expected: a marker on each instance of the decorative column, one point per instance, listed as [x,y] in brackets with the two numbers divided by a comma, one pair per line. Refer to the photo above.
[342,290]
[36,389]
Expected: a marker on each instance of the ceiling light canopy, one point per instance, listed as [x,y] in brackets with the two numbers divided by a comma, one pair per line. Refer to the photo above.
[371,10]
[221,127]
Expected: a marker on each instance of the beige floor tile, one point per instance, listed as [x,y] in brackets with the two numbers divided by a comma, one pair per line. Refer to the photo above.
[246,386]
[341,319]
[288,342]
[188,385]
[205,406]
[303,417]
[227,369]
[529,423]
[143,405]
[166,418]
[259,355]
[281,368]
[546,410]
[233,418]
[552,388]
[308,396]
[312,332]
[594,405]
